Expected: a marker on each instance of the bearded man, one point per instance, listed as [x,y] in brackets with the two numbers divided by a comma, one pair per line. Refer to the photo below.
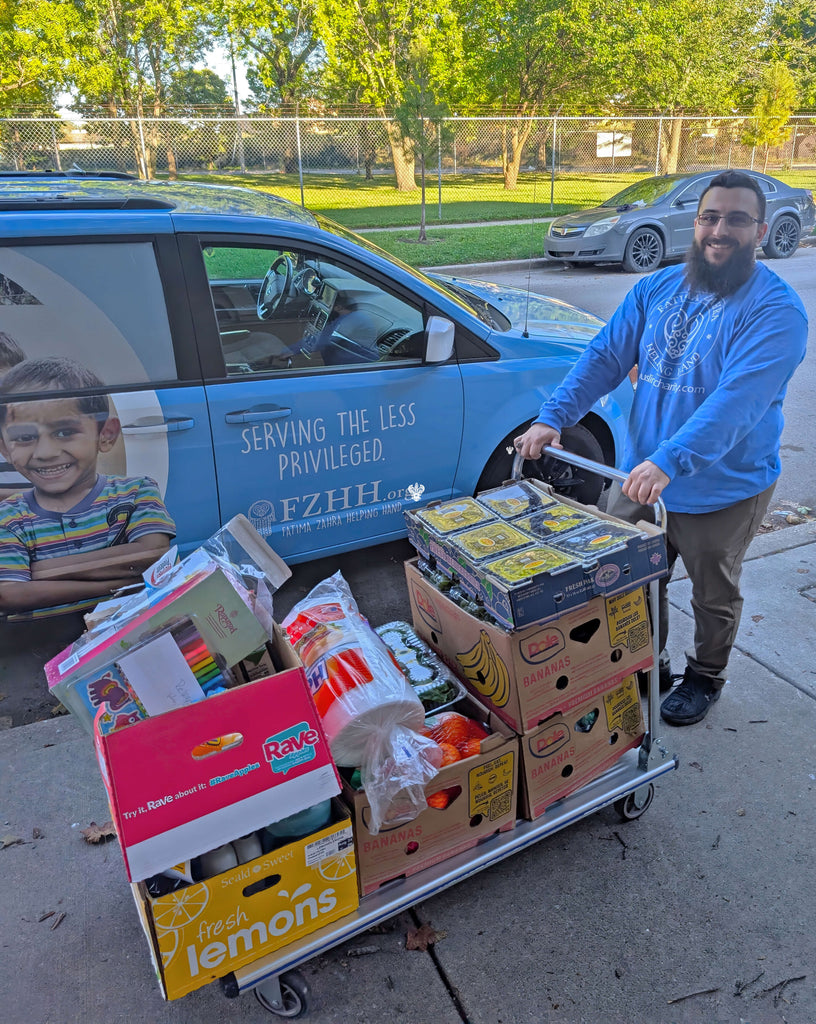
[715,342]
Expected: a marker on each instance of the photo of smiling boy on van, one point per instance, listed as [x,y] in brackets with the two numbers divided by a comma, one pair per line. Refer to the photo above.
[51,534]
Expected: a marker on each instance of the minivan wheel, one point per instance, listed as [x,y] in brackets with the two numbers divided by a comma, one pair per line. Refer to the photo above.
[783,239]
[644,251]
[565,479]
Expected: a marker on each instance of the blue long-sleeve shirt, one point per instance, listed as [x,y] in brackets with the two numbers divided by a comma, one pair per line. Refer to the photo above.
[712,374]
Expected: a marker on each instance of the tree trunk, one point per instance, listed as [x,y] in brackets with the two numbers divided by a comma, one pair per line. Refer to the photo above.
[403,157]
[672,154]
[172,166]
[511,153]
[368,145]
[422,236]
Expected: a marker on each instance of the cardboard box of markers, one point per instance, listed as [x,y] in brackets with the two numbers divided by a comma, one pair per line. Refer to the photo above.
[528,555]
[207,739]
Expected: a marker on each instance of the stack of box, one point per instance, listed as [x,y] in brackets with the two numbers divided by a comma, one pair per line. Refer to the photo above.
[188,772]
[562,674]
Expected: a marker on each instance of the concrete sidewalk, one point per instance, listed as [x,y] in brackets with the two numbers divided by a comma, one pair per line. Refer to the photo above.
[700,911]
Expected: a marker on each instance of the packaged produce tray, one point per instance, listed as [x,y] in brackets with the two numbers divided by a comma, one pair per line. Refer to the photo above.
[436,686]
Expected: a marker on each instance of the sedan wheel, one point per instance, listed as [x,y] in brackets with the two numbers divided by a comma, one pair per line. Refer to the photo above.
[783,239]
[644,251]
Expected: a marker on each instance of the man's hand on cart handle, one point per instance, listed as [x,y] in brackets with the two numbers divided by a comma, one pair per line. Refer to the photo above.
[645,483]
[535,438]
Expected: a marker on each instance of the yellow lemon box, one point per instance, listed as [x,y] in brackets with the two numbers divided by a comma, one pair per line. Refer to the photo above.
[571,749]
[528,674]
[204,931]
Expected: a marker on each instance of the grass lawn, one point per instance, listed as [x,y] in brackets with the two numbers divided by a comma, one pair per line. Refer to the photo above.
[484,243]
[475,199]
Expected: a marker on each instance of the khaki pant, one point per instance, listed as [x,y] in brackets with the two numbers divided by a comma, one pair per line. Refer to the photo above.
[712,546]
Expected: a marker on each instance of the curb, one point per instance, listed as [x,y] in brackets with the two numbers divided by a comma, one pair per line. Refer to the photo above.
[532,262]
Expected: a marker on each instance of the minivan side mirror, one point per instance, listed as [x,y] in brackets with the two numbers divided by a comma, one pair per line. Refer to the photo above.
[439,334]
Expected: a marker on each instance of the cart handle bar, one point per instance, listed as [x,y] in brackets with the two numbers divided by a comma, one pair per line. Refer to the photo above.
[599,468]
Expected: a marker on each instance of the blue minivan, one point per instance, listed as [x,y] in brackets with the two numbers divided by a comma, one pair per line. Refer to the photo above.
[260,359]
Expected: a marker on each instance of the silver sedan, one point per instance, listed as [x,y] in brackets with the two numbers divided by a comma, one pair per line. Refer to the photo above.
[653,220]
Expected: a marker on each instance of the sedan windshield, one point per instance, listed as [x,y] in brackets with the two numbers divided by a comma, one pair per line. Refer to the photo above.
[646,192]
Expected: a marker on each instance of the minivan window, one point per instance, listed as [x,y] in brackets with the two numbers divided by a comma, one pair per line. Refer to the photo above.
[100,304]
[293,310]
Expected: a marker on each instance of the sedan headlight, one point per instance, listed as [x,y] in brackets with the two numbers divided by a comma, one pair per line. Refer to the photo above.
[601,226]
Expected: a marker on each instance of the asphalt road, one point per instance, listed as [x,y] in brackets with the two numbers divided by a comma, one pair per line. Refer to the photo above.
[601,289]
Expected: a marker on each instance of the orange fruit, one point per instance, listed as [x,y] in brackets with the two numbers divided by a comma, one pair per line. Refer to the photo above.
[450,753]
[471,747]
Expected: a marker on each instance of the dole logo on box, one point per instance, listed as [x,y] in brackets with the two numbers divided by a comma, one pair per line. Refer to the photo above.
[426,609]
[291,747]
[542,646]
[548,743]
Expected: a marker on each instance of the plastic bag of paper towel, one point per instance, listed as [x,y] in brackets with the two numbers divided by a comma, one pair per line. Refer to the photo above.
[371,714]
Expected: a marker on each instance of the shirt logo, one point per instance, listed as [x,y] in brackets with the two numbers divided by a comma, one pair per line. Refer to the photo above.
[681,334]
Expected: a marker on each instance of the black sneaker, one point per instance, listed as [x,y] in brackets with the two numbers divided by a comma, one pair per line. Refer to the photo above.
[665,678]
[690,701]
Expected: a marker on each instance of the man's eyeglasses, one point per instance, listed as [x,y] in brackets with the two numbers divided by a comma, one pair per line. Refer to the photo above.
[735,219]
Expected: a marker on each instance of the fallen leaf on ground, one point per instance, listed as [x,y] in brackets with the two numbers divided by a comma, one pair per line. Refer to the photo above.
[9,841]
[97,833]
[757,618]
[426,935]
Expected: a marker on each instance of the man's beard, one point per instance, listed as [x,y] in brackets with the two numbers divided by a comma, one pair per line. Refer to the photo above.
[720,280]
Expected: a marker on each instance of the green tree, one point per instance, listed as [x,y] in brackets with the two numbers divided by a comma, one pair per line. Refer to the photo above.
[792,31]
[189,89]
[368,48]
[690,56]
[420,116]
[126,63]
[774,102]
[279,40]
[534,56]
[35,49]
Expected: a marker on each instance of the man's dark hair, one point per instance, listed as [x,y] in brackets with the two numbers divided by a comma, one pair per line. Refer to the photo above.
[10,351]
[736,179]
[53,374]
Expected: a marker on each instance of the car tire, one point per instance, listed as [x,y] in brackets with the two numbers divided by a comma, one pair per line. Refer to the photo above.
[644,251]
[783,238]
[565,479]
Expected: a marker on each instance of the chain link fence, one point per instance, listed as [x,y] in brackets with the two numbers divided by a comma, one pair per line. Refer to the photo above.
[575,161]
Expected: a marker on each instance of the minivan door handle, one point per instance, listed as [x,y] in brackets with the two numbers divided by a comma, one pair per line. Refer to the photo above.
[258,412]
[156,425]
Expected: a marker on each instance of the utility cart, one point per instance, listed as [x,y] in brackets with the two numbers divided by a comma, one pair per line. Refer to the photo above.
[628,786]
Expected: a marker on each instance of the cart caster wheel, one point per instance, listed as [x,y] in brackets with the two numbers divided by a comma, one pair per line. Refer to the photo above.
[294,995]
[634,804]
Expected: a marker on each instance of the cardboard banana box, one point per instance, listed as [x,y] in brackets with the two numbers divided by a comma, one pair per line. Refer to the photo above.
[528,674]
[481,791]
[569,750]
